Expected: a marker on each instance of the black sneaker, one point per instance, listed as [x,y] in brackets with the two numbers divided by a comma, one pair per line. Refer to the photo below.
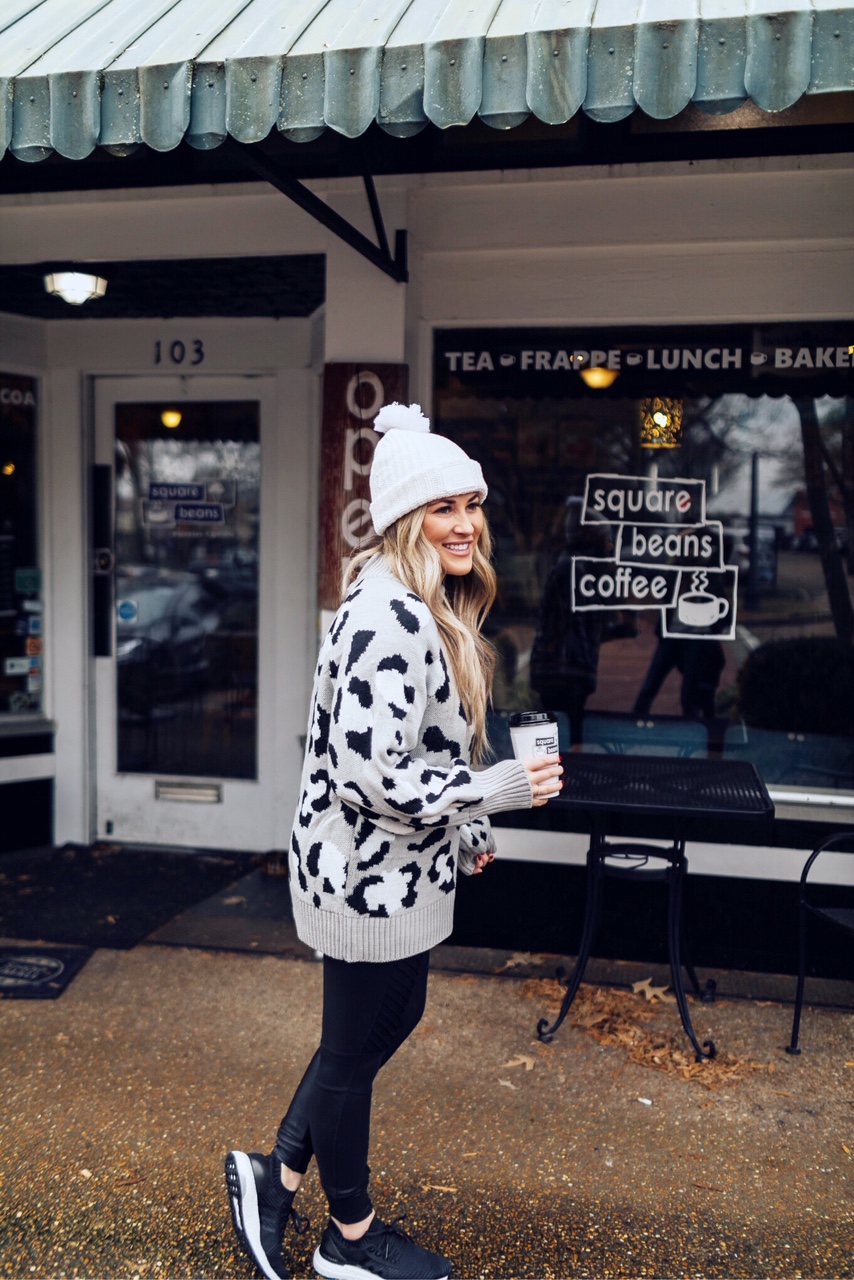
[260,1208]
[384,1250]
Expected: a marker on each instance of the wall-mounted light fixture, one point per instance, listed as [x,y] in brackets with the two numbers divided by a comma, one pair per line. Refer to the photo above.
[598,378]
[661,423]
[171,418]
[75,287]
[8,468]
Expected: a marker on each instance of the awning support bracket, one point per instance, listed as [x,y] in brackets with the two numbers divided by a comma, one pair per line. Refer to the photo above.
[379,254]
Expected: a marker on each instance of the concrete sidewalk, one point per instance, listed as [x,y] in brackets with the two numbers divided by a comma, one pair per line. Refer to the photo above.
[583,1158]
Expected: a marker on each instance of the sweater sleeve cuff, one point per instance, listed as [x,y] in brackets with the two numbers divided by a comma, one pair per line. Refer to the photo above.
[506,785]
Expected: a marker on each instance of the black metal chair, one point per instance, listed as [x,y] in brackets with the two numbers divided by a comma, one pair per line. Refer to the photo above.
[841,917]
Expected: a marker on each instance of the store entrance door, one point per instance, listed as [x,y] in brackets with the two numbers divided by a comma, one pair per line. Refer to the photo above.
[179,689]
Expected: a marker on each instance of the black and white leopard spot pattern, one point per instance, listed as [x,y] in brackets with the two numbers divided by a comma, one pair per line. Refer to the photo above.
[434,836]
[383,895]
[373,846]
[326,862]
[390,687]
[338,627]
[435,740]
[358,646]
[360,743]
[407,619]
[316,797]
[394,662]
[443,692]
[361,690]
[442,868]
[301,876]
[320,739]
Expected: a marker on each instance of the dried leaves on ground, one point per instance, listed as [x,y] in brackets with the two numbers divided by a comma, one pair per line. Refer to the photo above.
[642,1028]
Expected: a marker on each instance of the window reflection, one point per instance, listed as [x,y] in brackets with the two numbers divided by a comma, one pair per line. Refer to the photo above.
[187,530]
[773,682]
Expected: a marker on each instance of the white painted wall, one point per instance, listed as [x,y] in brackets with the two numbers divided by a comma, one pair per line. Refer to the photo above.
[712,241]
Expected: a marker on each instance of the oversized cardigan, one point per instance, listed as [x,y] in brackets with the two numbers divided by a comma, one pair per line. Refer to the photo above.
[389,801]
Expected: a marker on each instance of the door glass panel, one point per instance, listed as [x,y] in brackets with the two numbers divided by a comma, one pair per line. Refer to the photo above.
[186,537]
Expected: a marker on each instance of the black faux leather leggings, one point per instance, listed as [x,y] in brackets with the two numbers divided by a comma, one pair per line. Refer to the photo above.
[368,1012]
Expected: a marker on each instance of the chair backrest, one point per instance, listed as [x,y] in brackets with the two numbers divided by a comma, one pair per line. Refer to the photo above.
[793,759]
[643,735]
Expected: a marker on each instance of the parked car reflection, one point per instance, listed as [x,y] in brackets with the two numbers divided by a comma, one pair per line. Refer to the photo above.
[164,624]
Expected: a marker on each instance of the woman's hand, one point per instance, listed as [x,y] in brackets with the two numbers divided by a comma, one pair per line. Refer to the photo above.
[544,775]
[481,860]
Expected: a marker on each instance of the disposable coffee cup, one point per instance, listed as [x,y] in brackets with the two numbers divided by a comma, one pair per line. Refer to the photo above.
[533,734]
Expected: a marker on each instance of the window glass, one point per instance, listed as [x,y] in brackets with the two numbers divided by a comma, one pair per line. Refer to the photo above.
[187,527]
[21,605]
[672,513]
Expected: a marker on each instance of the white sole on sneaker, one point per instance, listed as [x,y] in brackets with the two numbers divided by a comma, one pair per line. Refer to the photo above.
[243,1198]
[343,1270]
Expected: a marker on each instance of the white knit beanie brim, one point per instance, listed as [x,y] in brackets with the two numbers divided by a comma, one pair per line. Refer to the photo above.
[427,486]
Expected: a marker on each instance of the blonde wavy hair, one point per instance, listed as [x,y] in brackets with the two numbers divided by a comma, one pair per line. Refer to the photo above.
[458,604]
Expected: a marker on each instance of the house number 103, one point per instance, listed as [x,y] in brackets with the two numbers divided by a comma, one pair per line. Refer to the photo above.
[179,352]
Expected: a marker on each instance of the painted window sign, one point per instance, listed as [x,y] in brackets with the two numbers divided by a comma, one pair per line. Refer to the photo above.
[644,500]
[556,358]
[202,504]
[705,606]
[671,545]
[666,558]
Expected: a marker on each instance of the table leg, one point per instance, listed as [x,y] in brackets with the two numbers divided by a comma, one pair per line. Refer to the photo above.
[676,877]
[595,872]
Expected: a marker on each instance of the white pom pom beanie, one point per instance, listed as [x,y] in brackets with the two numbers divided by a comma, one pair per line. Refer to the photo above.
[412,467]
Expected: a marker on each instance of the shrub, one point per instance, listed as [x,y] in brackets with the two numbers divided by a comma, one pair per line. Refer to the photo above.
[803,685]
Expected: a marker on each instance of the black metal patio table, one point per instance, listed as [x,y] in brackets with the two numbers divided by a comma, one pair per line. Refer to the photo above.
[609,788]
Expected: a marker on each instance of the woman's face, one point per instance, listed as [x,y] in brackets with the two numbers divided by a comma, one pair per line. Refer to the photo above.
[453,526]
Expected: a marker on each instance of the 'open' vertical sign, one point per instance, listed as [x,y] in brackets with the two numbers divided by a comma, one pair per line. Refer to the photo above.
[353,395]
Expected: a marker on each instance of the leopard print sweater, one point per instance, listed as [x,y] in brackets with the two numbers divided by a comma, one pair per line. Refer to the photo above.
[389,803]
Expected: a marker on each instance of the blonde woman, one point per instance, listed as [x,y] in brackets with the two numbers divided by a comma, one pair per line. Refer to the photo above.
[390,810]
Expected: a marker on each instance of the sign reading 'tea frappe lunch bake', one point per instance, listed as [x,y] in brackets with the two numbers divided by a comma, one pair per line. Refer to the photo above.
[660,553]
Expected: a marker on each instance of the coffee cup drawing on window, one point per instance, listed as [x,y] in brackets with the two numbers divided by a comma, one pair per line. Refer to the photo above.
[699,608]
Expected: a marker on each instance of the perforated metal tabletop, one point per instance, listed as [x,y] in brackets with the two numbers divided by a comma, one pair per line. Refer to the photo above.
[663,786]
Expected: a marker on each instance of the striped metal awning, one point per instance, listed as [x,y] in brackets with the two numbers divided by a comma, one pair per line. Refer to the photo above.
[78,74]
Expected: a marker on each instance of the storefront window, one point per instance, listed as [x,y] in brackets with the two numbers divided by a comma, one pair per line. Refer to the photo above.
[673,517]
[21,605]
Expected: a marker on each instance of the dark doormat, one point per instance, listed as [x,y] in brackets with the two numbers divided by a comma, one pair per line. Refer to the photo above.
[39,973]
[106,895]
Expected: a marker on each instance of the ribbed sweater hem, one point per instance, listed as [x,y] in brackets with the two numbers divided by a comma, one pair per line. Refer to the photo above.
[373,938]
[506,785]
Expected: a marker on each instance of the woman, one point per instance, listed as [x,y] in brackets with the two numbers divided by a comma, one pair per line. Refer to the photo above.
[390,809]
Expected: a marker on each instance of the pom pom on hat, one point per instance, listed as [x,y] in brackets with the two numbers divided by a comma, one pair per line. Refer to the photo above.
[405,417]
[412,466]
